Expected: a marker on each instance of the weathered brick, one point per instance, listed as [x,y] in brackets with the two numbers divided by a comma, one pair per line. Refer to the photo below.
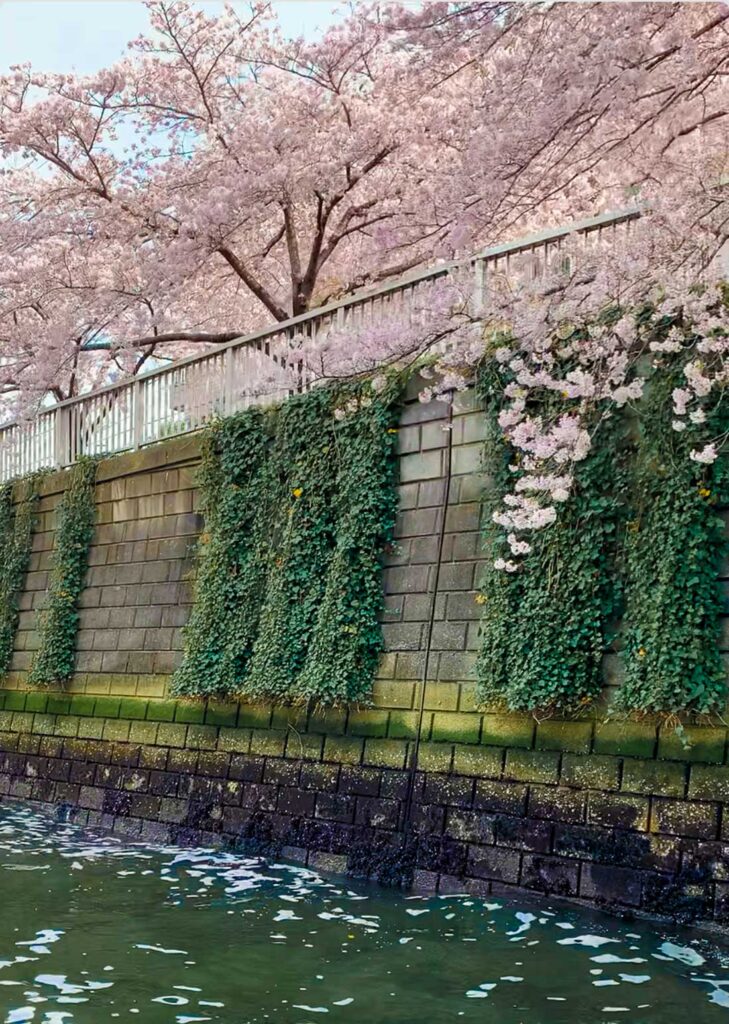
[421,466]
[591,772]
[269,742]
[435,757]
[617,810]
[344,749]
[522,833]
[707,782]
[161,710]
[388,753]
[654,777]
[556,803]
[611,884]
[456,726]
[684,818]
[440,696]
[234,740]
[470,826]
[532,766]
[368,723]
[629,739]
[549,875]
[403,725]
[575,737]
[486,762]
[508,731]
[692,743]
[495,863]
[500,797]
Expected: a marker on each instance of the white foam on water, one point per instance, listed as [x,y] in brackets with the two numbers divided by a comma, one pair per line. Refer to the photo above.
[685,954]
[594,941]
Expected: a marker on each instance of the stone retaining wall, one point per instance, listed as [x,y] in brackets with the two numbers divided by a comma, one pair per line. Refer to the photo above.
[617,813]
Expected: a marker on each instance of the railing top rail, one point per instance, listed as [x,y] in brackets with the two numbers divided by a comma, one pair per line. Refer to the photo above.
[416,277]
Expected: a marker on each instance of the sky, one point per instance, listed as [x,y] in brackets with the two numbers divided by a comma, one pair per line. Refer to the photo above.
[84,35]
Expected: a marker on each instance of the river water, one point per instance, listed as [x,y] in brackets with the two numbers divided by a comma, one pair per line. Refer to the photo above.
[94,929]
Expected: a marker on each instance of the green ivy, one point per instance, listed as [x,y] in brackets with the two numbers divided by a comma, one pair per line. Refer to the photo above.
[632,560]
[298,505]
[17,520]
[59,620]
[347,637]
[674,548]
[544,628]
[232,554]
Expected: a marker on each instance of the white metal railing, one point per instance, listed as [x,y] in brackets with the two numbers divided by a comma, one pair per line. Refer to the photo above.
[185,395]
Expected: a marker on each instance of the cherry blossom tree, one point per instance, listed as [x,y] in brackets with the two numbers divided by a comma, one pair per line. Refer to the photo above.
[266,176]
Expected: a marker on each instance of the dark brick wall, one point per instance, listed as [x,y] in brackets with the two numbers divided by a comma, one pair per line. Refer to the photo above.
[618,815]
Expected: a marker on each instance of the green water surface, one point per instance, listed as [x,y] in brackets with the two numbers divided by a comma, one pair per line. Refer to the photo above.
[95,929]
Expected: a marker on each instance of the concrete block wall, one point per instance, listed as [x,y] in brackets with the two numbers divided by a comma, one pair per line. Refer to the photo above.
[617,813]
[138,588]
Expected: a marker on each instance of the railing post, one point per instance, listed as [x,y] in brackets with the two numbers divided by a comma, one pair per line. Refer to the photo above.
[62,436]
[138,433]
[228,382]
[479,284]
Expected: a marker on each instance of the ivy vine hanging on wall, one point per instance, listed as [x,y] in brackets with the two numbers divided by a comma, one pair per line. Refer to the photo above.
[59,620]
[633,558]
[17,520]
[299,504]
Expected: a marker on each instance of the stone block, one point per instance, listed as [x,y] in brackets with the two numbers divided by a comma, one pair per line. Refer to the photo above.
[575,737]
[532,766]
[440,696]
[268,742]
[470,826]
[494,863]
[257,716]
[421,466]
[222,713]
[592,771]
[387,753]
[659,777]
[419,522]
[435,757]
[395,694]
[190,712]
[556,803]
[343,749]
[685,818]
[485,762]
[143,732]
[172,734]
[610,884]
[518,833]
[707,782]
[329,721]
[133,707]
[161,710]
[202,737]
[549,875]
[406,579]
[35,701]
[500,797]
[508,731]
[456,727]
[107,707]
[629,739]
[692,743]
[618,810]
[368,723]
[449,636]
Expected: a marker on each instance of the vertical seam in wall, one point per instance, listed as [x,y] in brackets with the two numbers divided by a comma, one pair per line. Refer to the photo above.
[431,619]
